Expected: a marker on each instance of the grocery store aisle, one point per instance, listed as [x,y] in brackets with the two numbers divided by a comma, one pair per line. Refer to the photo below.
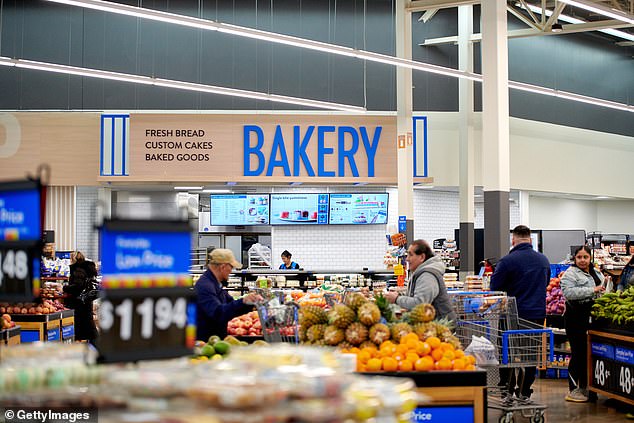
[552,391]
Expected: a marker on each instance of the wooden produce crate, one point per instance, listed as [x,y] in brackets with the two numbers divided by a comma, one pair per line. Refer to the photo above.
[39,327]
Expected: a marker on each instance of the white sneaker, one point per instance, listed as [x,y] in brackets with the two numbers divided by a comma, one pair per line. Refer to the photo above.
[577,395]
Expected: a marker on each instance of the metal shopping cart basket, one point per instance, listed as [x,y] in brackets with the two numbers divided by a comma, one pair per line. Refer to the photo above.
[518,344]
[279,322]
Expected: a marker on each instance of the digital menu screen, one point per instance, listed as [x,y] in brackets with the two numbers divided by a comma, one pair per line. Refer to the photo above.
[358,209]
[293,209]
[239,209]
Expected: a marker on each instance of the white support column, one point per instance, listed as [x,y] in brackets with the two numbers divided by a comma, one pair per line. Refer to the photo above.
[524,204]
[495,128]
[467,153]
[404,127]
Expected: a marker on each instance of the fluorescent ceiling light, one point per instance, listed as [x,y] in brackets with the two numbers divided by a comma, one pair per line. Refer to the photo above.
[294,184]
[319,46]
[181,85]
[216,190]
[231,183]
[601,10]
[187,188]
[570,19]
[602,197]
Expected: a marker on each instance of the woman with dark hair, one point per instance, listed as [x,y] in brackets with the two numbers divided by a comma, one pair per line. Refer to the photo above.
[580,284]
[627,276]
[426,283]
[287,263]
[80,284]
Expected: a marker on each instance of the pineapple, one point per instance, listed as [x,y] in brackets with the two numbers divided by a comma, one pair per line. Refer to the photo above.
[425,330]
[345,345]
[356,333]
[369,314]
[355,300]
[311,315]
[400,329]
[341,316]
[379,333]
[315,332]
[422,313]
[383,305]
[302,334]
[333,335]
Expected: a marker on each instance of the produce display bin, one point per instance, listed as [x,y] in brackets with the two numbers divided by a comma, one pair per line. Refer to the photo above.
[454,395]
[611,363]
[11,336]
[67,324]
[39,327]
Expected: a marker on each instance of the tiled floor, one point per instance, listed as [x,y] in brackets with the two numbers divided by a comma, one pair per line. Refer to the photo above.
[551,392]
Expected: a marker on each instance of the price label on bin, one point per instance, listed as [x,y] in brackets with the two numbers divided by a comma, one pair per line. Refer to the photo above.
[147,309]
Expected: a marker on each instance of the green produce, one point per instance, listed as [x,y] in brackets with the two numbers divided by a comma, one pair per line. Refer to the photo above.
[208,351]
[617,307]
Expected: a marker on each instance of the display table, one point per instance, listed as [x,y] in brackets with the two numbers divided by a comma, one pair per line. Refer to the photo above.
[10,336]
[39,327]
[454,395]
[611,364]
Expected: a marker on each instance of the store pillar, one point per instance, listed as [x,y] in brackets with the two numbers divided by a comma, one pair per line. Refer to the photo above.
[495,128]
[467,178]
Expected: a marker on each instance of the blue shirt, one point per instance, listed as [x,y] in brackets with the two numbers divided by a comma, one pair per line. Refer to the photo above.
[524,274]
[215,307]
[293,265]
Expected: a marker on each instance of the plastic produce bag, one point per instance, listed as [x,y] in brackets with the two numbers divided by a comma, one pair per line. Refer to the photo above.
[483,350]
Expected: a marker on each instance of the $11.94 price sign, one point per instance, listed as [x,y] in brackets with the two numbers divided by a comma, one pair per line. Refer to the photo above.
[139,324]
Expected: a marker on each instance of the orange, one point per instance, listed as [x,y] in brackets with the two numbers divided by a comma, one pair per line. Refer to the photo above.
[422,348]
[443,364]
[402,349]
[363,357]
[446,346]
[449,355]
[361,367]
[398,357]
[373,365]
[385,344]
[354,350]
[411,344]
[409,337]
[470,359]
[406,366]
[412,356]
[459,353]
[470,367]
[437,354]
[370,350]
[424,364]
[459,364]
[389,364]
[433,341]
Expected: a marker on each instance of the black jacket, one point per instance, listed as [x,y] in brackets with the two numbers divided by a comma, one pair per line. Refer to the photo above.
[81,274]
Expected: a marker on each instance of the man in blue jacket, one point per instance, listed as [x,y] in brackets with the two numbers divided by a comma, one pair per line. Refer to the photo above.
[214,306]
[524,274]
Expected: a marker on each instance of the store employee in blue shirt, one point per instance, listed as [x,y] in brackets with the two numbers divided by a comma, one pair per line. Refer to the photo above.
[288,264]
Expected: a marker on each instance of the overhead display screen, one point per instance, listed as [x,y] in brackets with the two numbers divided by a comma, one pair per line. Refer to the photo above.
[239,209]
[299,209]
[358,209]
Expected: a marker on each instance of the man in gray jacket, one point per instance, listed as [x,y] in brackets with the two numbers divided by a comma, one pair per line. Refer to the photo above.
[426,284]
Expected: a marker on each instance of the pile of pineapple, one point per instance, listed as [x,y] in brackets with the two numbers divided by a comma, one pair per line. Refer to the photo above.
[356,326]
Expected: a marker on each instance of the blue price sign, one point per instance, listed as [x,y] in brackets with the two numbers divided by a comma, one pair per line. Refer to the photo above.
[20,211]
[402,223]
[137,254]
[442,414]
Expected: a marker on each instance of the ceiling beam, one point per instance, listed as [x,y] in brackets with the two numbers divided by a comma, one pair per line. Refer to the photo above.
[520,33]
[421,5]
[427,15]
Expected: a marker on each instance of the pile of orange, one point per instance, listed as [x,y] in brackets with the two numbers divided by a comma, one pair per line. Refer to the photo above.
[412,354]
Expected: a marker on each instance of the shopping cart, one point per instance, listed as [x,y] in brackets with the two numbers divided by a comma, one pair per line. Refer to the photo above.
[279,321]
[519,343]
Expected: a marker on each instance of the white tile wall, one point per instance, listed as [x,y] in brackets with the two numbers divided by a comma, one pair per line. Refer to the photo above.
[86,234]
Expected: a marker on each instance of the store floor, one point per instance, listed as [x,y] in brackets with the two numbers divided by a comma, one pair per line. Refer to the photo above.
[551,392]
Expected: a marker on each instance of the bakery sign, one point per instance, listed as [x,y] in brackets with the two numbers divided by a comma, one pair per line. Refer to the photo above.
[255,148]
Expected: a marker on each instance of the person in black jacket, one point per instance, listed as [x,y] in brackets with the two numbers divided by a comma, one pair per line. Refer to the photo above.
[82,279]
[214,306]
[524,274]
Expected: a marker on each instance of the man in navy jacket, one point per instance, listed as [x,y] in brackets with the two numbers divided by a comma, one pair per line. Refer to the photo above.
[214,306]
[524,274]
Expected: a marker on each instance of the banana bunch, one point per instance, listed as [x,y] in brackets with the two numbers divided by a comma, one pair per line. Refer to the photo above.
[617,307]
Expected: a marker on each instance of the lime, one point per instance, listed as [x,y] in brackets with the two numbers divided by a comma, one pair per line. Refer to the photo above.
[222,347]
[216,357]
[213,339]
[208,350]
